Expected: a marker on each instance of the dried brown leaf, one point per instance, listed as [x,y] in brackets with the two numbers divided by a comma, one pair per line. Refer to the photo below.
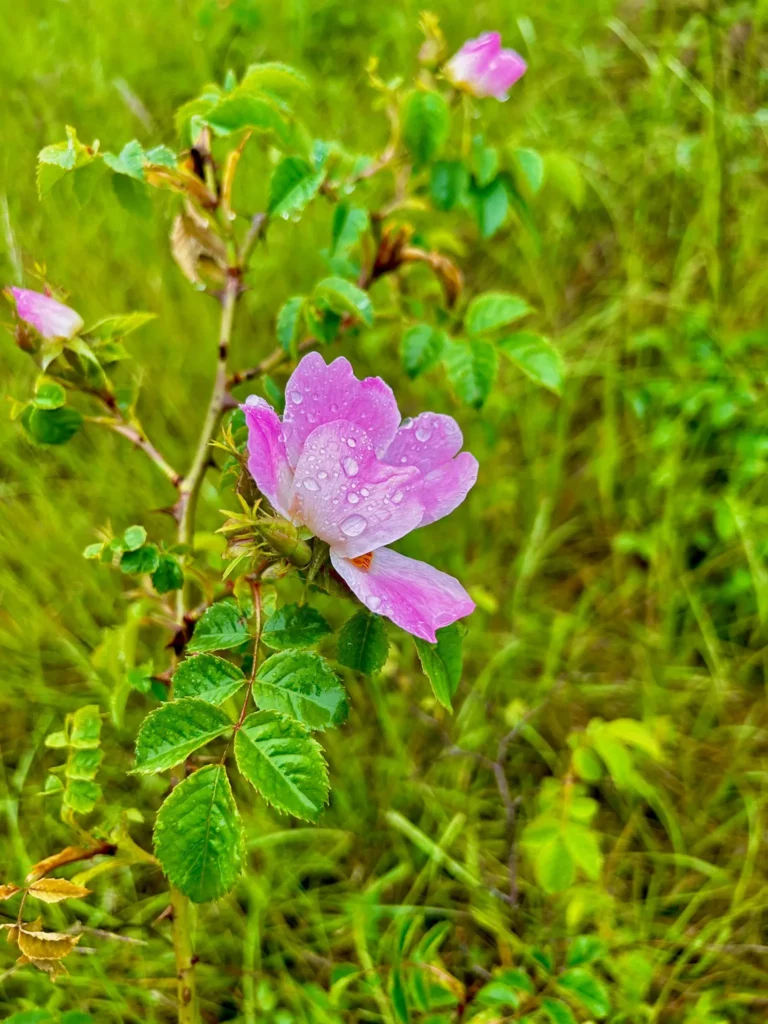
[6,891]
[54,890]
[46,945]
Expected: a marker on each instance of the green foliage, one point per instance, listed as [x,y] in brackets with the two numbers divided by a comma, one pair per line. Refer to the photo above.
[294,625]
[220,628]
[442,662]
[472,367]
[208,677]
[52,426]
[421,348]
[301,684]
[290,323]
[537,358]
[294,184]
[492,310]
[199,835]
[363,643]
[343,297]
[168,575]
[173,731]
[426,124]
[277,755]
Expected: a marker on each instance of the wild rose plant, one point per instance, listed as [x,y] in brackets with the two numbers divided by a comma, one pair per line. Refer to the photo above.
[320,473]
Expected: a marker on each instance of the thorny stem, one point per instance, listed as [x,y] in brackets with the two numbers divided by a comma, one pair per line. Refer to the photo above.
[135,433]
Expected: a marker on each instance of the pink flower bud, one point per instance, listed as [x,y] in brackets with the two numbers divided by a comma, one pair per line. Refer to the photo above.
[50,318]
[483,68]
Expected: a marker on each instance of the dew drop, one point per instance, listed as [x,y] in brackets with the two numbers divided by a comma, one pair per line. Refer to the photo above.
[404,459]
[407,423]
[322,474]
[350,466]
[311,485]
[253,400]
[334,408]
[352,498]
[397,497]
[423,433]
[353,526]
[364,491]
[373,602]
[351,442]
[296,397]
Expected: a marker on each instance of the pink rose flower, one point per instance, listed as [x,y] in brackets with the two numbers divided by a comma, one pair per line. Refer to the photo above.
[484,69]
[50,318]
[342,464]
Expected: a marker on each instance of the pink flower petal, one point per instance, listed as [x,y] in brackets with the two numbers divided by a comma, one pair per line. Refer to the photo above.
[347,497]
[430,442]
[267,459]
[318,393]
[501,74]
[425,442]
[50,318]
[445,487]
[414,595]
[471,61]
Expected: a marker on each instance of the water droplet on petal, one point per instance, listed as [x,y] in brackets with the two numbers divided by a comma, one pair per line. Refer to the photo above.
[352,498]
[296,397]
[334,408]
[311,485]
[322,474]
[351,442]
[423,433]
[397,497]
[373,602]
[407,423]
[364,491]
[253,400]
[350,466]
[353,526]
[404,459]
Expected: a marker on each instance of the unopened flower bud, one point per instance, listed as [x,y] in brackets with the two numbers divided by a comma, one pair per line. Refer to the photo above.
[284,538]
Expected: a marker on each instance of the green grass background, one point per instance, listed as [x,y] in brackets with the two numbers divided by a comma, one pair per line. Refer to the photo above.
[619,535]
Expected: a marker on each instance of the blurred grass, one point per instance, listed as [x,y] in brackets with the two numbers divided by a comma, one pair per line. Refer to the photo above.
[619,536]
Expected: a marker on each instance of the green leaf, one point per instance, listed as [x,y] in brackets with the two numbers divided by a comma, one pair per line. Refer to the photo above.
[118,326]
[130,160]
[82,795]
[537,358]
[210,678]
[134,537]
[588,989]
[492,310]
[634,734]
[530,166]
[53,426]
[565,175]
[472,368]
[93,550]
[490,205]
[53,162]
[83,764]
[554,865]
[131,195]
[49,394]
[283,763]
[425,125]
[220,628]
[168,575]
[363,643]
[86,728]
[289,324]
[294,184]
[397,993]
[584,949]
[442,662]
[448,184]
[161,156]
[273,75]
[240,110]
[294,625]
[421,348]
[557,1011]
[199,836]
[584,848]
[587,764]
[143,560]
[344,297]
[496,993]
[348,226]
[303,685]
[485,161]
[170,733]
